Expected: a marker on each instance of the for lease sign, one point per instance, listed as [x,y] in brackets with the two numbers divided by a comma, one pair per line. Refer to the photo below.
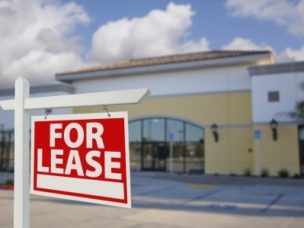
[82,157]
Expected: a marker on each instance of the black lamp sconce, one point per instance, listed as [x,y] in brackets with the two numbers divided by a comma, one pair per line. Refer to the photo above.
[214,129]
[274,128]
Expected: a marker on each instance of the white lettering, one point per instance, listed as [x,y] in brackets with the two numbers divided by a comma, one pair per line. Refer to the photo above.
[112,165]
[94,135]
[67,135]
[74,163]
[40,167]
[91,162]
[53,134]
[56,161]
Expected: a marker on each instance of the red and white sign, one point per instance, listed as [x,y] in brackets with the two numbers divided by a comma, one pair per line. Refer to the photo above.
[82,157]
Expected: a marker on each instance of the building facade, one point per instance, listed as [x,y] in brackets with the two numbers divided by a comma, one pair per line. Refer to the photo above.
[276,91]
[208,112]
[189,94]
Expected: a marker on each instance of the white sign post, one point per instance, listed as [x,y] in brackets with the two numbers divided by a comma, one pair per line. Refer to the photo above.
[21,105]
[22,129]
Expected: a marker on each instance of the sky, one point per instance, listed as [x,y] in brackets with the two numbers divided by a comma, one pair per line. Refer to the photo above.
[39,38]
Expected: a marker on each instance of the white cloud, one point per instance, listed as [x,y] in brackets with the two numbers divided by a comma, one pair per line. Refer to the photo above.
[290,54]
[36,39]
[241,43]
[286,13]
[158,33]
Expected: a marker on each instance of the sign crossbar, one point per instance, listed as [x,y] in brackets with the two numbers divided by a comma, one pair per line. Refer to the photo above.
[76,100]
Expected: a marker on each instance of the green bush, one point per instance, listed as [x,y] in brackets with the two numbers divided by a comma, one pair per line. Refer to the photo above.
[9,182]
[247,173]
[283,173]
[265,173]
[296,176]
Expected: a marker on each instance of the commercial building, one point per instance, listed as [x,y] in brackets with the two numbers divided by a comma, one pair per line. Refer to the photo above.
[211,110]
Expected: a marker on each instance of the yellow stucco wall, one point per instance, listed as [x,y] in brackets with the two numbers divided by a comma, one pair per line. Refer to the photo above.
[283,153]
[233,154]
[231,111]
[222,108]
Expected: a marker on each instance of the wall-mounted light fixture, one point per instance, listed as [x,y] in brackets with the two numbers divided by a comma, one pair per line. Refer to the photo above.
[214,129]
[274,128]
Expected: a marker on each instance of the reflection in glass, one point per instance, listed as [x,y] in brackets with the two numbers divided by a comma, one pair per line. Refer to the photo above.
[135,131]
[135,144]
[6,150]
[154,129]
[152,138]
[301,134]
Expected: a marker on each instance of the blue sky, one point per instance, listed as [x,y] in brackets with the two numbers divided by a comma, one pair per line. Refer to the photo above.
[212,19]
[39,38]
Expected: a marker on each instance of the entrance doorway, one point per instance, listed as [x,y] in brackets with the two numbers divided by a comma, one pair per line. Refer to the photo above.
[154,156]
[149,145]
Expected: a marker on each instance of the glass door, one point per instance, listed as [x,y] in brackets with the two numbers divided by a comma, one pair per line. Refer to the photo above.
[154,156]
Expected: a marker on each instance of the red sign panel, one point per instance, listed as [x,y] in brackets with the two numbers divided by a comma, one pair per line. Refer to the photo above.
[82,157]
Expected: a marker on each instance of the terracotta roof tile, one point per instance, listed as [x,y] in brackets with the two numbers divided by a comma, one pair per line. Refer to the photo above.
[198,56]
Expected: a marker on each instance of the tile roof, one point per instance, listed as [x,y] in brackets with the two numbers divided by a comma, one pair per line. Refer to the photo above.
[170,59]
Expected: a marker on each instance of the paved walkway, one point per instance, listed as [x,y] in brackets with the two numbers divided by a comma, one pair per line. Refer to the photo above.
[161,200]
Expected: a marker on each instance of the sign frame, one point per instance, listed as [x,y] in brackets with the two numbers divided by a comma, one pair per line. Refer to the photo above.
[88,116]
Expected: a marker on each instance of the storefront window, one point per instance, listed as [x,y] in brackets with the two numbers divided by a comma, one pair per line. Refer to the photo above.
[301,148]
[154,129]
[166,143]
[6,150]
[135,144]
[194,148]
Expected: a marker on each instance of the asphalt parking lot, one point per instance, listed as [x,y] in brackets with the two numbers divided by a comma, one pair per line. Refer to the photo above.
[164,200]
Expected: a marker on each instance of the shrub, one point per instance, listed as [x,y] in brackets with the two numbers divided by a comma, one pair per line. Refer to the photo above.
[247,172]
[9,182]
[283,173]
[265,173]
[296,176]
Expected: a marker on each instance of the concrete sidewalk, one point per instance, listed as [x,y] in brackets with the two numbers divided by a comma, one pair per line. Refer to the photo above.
[229,180]
[160,202]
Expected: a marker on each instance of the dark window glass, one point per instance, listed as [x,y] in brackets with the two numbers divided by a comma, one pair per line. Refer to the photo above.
[151,145]
[154,129]
[135,144]
[194,148]
[135,131]
[301,133]
[175,128]
[273,96]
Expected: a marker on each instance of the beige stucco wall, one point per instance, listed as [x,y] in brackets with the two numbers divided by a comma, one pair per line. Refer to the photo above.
[233,154]
[230,111]
[280,154]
